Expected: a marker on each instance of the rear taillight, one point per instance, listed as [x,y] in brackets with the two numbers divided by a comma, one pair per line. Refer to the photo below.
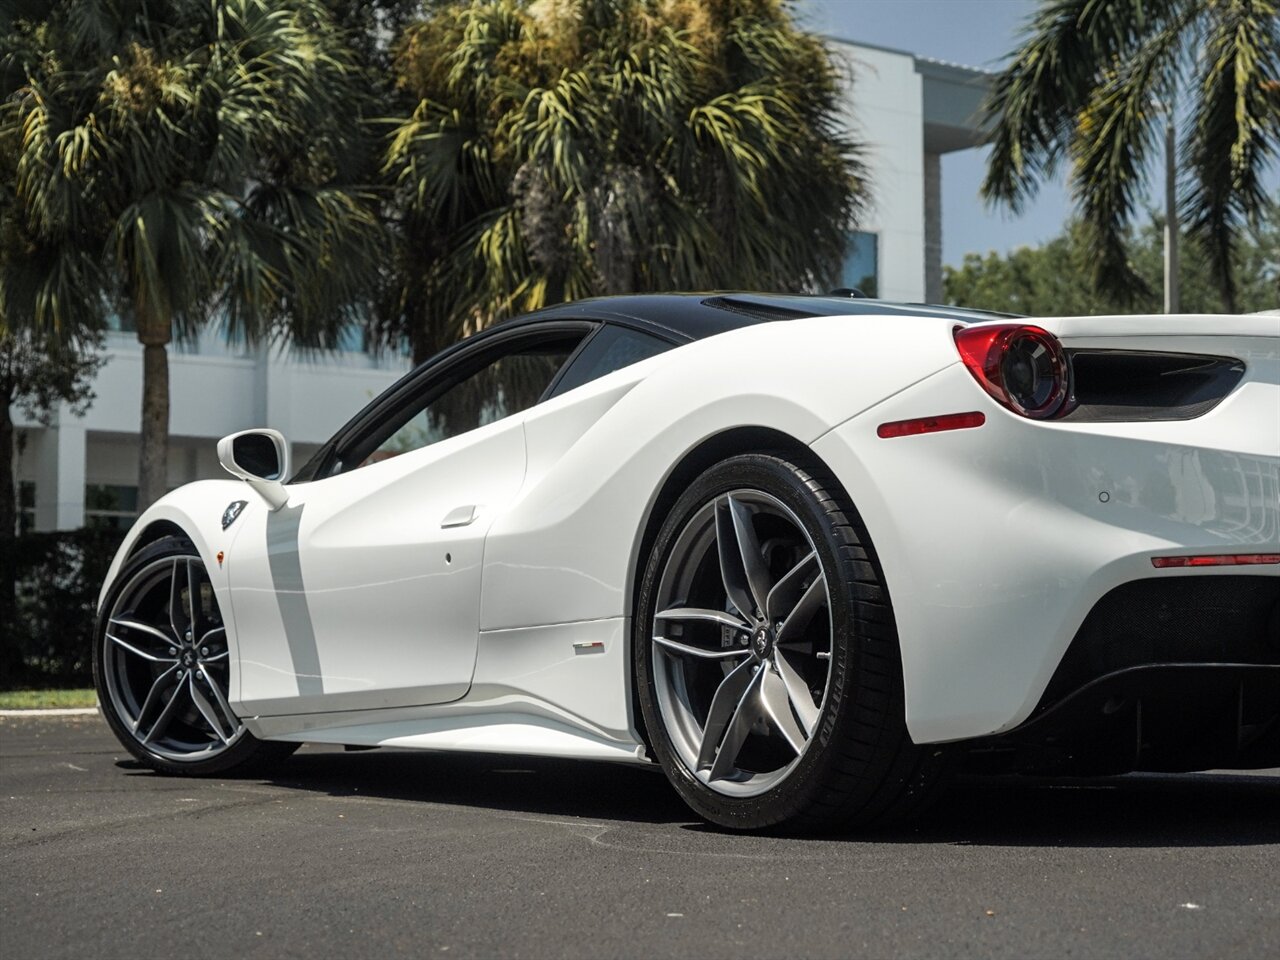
[1021,366]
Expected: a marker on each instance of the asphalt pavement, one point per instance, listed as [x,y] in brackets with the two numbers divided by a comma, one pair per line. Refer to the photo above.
[384,854]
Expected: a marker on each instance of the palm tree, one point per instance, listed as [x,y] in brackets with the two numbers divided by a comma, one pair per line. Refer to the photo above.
[559,150]
[209,151]
[1092,82]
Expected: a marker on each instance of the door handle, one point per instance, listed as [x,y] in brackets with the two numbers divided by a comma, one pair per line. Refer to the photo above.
[459,516]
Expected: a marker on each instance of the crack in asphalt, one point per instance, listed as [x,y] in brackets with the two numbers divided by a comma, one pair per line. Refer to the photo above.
[193,813]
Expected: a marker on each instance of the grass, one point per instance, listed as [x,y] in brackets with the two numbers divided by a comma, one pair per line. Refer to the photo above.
[35,699]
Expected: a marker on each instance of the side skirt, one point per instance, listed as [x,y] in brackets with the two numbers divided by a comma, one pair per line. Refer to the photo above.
[559,690]
[509,733]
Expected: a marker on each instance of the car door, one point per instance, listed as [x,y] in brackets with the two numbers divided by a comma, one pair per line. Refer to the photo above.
[364,590]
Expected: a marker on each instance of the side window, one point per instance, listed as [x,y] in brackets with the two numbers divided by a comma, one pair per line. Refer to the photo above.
[612,348]
[499,386]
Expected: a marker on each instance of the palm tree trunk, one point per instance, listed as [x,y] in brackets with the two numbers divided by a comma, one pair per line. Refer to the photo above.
[421,344]
[153,454]
[427,336]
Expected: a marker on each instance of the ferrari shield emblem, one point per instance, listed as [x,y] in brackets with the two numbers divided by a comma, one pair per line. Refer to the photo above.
[233,510]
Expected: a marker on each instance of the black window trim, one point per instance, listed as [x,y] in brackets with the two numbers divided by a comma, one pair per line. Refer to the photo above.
[550,390]
[599,311]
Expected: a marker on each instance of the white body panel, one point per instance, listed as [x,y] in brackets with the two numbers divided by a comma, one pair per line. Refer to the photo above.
[995,542]
[353,596]
[994,561]
[566,549]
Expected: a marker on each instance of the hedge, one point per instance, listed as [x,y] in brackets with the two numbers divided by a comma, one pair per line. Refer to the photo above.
[57,583]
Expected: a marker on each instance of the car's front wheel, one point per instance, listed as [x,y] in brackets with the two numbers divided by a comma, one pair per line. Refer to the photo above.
[766,656]
[162,667]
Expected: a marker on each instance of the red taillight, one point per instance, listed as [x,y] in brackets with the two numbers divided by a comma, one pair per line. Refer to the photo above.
[1022,366]
[949,421]
[1216,560]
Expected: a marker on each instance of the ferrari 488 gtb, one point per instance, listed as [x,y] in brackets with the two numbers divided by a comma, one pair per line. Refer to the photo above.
[806,553]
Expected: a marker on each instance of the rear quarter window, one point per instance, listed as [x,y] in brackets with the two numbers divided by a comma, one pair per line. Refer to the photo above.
[612,348]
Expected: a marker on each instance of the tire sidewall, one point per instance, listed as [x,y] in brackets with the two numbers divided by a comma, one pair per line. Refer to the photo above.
[788,483]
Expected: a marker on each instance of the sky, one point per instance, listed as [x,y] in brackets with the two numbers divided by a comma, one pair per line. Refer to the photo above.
[975,33]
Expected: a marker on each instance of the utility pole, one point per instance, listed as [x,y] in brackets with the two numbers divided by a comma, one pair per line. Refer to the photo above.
[1171,297]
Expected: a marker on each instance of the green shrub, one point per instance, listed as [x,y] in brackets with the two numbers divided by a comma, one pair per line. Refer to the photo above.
[58,579]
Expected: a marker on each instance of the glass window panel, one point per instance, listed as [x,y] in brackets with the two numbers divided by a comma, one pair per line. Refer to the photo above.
[862,263]
[611,349]
[506,385]
[109,505]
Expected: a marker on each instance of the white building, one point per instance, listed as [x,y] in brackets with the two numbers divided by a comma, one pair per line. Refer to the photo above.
[907,110]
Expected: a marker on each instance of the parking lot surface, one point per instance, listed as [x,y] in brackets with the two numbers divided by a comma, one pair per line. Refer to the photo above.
[381,853]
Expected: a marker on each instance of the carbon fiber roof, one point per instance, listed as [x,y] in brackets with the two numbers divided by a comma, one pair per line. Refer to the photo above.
[694,316]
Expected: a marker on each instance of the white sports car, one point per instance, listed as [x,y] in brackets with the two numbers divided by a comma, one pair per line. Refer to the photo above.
[806,553]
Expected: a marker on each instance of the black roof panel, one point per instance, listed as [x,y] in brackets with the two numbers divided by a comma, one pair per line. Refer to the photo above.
[693,316]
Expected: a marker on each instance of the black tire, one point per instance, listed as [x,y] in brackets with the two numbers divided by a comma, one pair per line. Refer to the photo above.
[114,671]
[859,767]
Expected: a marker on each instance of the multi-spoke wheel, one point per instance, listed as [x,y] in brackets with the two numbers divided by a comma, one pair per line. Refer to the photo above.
[742,642]
[766,661]
[163,666]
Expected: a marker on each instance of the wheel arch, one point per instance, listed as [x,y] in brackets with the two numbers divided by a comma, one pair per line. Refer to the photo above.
[154,531]
[191,512]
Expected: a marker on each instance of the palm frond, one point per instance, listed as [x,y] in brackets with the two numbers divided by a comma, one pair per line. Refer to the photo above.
[1110,145]
[1067,46]
[1235,131]
[567,149]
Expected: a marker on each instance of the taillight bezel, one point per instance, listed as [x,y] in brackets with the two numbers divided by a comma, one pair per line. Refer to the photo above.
[984,348]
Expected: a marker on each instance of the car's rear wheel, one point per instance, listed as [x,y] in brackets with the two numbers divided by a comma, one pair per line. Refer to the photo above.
[162,667]
[766,657]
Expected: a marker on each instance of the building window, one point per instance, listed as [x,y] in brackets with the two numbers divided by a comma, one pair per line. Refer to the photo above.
[862,264]
[351,338]
[110,506]
[118,322]
[26,506]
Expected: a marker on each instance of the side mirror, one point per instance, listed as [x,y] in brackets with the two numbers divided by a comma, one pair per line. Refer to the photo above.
[261,459]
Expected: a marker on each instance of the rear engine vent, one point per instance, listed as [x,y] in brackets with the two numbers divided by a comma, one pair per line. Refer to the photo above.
[1111,385]
[757,309]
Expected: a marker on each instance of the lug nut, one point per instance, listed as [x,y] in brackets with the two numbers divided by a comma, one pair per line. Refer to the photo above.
[173,651]
[199,675]
[204,651]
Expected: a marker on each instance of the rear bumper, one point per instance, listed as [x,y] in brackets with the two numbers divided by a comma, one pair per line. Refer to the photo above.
[1160,717]
[997,542]
[1178,621]
[1164,674]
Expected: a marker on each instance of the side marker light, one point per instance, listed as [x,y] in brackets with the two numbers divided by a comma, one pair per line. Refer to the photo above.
[1216,560]
[948,421]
